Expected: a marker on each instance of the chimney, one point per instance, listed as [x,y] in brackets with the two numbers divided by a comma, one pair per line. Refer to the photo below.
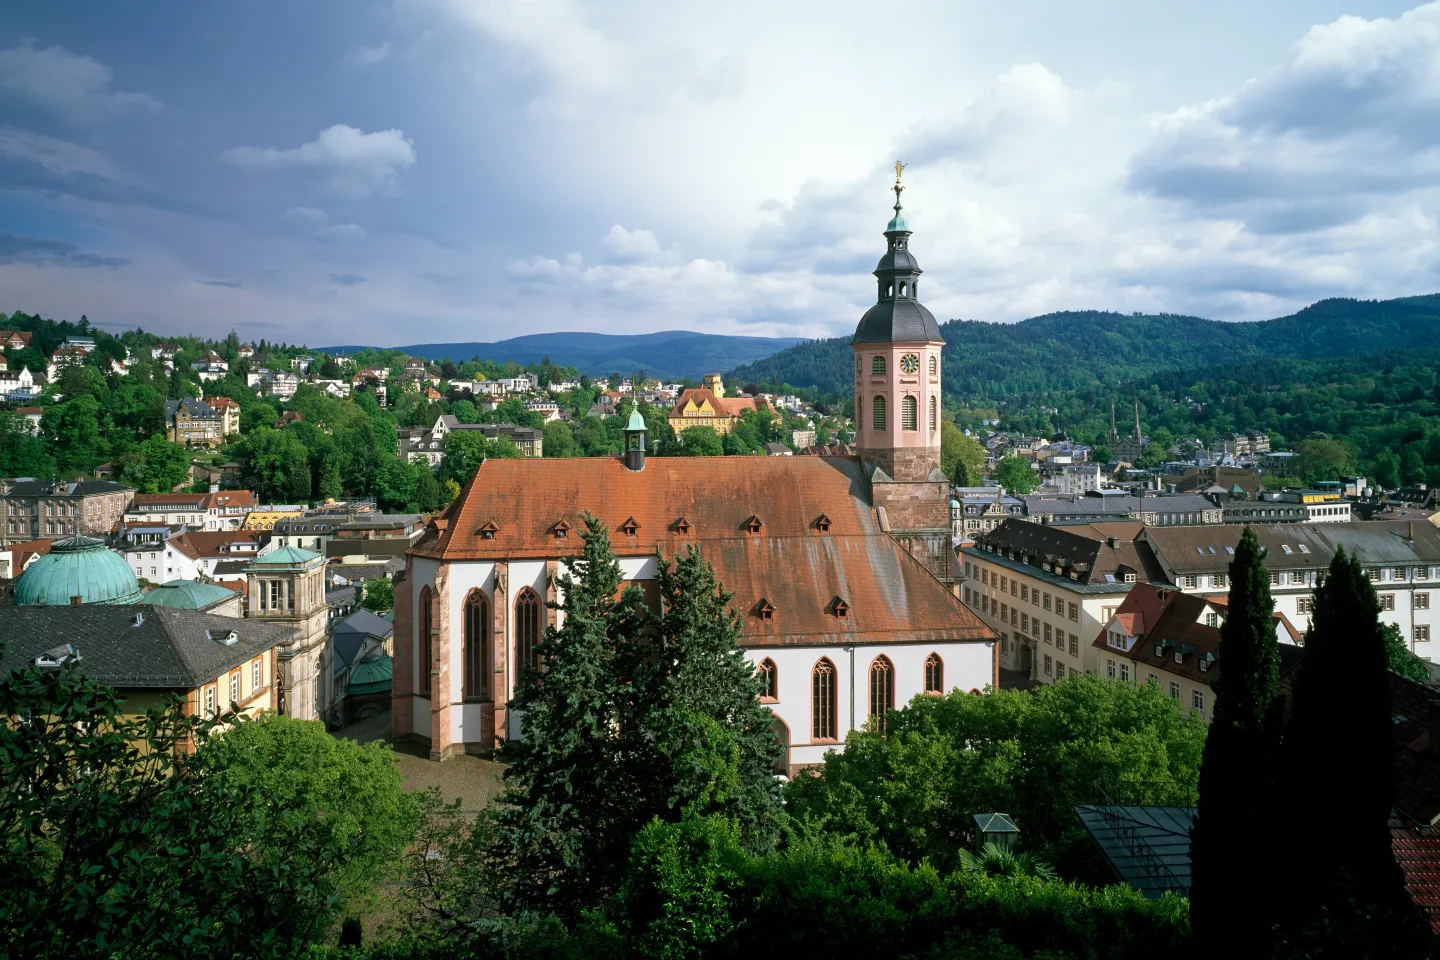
[1111,542]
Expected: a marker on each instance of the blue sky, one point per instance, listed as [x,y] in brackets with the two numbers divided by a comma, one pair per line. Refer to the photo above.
[444,170]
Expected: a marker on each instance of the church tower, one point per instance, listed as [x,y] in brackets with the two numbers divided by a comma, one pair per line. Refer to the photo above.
[897,366]
[896,350]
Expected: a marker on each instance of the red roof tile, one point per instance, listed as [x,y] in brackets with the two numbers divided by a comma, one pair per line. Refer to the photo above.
[790,562]
[1418,853]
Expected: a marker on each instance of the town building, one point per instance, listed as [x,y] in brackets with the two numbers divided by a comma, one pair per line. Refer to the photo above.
[1227,481]
[374,538]
[420,445]
[841,567]
[286,587]
[1168,637]
[193,595]
[1401,557]
[708,406]
[44,508]
[149,653]
[544,406]
[1046,590]
[216,510]
[1248,444]
[15,339]
[1299,506]
[974,514]
[197,423]
[1158,509]
[267,515]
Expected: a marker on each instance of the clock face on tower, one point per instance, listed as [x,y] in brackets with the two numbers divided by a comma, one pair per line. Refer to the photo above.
[910,363]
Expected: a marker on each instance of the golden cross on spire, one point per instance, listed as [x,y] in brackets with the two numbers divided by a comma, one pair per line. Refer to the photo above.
[899,187]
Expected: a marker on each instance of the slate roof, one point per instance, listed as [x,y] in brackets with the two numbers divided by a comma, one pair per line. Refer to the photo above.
[82,488]
[899,320]
[1115,505]
[1100,554]
[789,561]
[349,635]
[168,649]
[1297,546]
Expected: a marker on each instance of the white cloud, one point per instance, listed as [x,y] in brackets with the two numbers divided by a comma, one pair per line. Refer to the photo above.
[341,233]
[60,157]
[367,56]
[635,246]
[71,85]
[350,161]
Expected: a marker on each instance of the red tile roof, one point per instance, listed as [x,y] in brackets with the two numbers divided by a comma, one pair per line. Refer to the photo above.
[212,543]
[723,406]
[1418,853]
[790,562]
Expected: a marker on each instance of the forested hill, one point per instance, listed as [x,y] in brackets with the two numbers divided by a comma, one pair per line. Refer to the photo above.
[668,354]
[1084,349]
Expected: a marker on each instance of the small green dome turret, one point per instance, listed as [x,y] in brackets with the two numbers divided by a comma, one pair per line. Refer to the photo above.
[77,569]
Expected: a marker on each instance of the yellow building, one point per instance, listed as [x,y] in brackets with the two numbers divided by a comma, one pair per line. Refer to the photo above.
[707,406]
[265,519]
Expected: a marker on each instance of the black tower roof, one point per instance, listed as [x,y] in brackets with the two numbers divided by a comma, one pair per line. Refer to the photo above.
[897,315]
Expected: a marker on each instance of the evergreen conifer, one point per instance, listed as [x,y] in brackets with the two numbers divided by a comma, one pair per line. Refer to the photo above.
[563,824]
[1230,895]
[1340,757]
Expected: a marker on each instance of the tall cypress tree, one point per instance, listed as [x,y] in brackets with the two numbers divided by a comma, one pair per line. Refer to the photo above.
[714,748]
[1230,903]
[1340,759]
[564,823]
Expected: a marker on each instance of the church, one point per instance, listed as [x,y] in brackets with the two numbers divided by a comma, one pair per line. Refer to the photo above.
[842,569]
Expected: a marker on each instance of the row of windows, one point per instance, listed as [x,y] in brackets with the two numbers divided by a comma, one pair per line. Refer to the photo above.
[824,720]
[1121,671]
[909,363]
[476,653]
[1027,625]
[1034,597]
[210,693]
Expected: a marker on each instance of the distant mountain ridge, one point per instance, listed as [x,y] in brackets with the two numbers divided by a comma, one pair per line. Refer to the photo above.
[1081,350]
[669,354]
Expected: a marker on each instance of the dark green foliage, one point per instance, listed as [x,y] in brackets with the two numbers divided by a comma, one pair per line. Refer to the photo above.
[1015,474]
[1399,656]
[22,453]
[115,842]
[701,442]
[1340,762]
[1231,900]
[565,820]
[156,466]
[941,760]
[378,596]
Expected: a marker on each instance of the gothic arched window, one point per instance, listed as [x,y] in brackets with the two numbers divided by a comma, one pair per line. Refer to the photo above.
[932,414]
[476,621]
[934,674]
[877,367]
[877,419]
[423,621]
[909,413]
[882,689]
[769,680]
[822,701]
[527,630]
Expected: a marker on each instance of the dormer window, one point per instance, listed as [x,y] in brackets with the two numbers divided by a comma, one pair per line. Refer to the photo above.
[840,608]
[682,527]
[765,610]
[822,523]
[754,524]
[630,527]
[561,529]
[488,531]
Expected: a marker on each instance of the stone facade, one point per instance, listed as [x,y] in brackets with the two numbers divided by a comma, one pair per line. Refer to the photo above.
[38,508]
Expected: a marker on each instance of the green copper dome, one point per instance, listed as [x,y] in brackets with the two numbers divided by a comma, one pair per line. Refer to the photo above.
[77,567]
[637,422]
[186,595]
[371,675]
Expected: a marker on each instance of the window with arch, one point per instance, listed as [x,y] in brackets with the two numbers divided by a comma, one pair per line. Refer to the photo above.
[902,288]
[877,413]
[822,701]
[882,690]
[909,413]
[934,674]
[859,366]
[932,414]
[769,679]
[934,366]
[475,618]
[425,653]
[527,630]
[877,367]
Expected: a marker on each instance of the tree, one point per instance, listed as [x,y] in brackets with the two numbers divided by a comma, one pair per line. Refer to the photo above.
[713,749]
[351,794]
[22,454]
[1412,466]
[464,411]
[464,452]
[75,433]
[276,466]
[156,466]
[146,854]
[1399,656]
[563,824]
[1323,459]
[1001,861]
[914,786]
[1015,474]
[1237,780]
[259,414]
[1387,469]
[700,442]
[378,596]
[962,458]
[559,441]
[1340,763]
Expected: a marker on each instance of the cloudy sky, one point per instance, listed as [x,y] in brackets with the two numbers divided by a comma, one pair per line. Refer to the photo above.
[401,171]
